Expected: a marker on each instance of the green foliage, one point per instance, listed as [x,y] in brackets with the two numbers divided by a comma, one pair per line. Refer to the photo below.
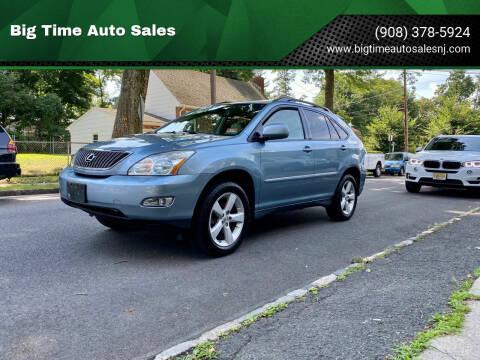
[203,351]
[374,106]
[444,324]
[282,82]
[44,101]
[102,78]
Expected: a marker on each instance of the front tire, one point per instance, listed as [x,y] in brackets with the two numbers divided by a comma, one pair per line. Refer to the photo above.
[378,170]
[412,187]
[344,201]
[222,219]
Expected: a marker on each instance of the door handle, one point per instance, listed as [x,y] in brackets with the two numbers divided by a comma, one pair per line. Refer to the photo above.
[343,148]
[307,149]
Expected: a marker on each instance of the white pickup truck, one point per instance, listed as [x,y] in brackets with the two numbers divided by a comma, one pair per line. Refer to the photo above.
[374,163]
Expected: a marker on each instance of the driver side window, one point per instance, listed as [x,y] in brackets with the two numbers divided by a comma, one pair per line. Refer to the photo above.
[291,118]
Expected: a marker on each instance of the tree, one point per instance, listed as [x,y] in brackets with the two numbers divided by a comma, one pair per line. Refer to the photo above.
[458,85]
[282,82]
[329,87]
[134,86]
[103,77]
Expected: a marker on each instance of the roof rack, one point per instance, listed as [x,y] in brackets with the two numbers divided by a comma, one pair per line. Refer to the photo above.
[292,99]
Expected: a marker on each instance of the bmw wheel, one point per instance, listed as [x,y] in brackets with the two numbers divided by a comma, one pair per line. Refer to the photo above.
[222,219]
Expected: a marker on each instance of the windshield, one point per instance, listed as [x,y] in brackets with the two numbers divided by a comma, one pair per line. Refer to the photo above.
[394,156]
[225,120]
[454,143]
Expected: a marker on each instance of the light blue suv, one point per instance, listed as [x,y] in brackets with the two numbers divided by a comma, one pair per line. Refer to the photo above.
[219,167]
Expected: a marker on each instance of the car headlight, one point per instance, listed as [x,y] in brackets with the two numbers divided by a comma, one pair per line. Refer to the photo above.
[472,164]
[415,162]
[161,164]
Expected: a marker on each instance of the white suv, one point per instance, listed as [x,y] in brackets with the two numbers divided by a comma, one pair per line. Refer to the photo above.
[446,161]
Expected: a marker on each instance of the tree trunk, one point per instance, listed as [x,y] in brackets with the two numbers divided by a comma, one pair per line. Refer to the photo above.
[134,85]
[213,86]
[329,87]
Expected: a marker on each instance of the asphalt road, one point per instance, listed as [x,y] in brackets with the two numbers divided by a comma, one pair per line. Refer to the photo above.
[365,315]
[72,289]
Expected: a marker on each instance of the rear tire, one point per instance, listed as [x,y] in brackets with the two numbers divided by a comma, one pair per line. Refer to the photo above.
[412,187]
[222,219]
[114,224]
[401,172]
[344,202]
[378,170]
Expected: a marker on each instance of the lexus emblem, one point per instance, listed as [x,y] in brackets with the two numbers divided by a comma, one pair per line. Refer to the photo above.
[90,157]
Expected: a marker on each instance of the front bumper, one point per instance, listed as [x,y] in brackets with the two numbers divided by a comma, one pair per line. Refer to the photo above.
[392,170]
[461,178]
[121,196]
[9,170]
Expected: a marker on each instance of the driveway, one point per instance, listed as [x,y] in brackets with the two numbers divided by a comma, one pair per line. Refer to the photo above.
[72,289]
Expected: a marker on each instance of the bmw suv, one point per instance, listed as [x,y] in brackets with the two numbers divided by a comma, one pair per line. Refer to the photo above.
[446,161]
[218,168]
[8,152]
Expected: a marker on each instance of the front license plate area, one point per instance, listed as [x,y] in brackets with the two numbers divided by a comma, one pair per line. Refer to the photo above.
[77,192]
[440,176]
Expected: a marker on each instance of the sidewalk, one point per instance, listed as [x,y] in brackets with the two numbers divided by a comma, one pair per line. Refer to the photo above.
[365,315]
[464,346]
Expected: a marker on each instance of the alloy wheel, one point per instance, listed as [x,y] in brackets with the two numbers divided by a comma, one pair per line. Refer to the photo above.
[227,218]
[347,202]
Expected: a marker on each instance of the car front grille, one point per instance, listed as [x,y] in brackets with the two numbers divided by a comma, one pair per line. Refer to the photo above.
[98,159]
[451,165]
[432,164]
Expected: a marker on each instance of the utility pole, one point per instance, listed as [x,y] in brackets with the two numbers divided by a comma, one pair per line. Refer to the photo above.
[213,86]
[405,110]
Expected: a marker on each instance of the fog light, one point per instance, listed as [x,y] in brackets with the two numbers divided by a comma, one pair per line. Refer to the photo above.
[158,201]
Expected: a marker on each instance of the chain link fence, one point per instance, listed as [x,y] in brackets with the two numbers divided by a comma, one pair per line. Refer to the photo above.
[40,158]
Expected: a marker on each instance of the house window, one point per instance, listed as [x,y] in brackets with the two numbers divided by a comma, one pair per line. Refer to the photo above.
[95,137]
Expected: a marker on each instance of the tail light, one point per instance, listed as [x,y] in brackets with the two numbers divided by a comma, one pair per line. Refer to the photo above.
[11,147]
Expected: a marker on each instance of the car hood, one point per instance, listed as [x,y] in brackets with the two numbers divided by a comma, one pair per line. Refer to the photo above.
[447,155]
[156,142]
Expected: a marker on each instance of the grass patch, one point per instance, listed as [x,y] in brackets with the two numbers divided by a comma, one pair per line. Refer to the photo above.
[28,187]
[42,164]
[271,310]
[443,324]
[351,270]
[203,351]
[31,180]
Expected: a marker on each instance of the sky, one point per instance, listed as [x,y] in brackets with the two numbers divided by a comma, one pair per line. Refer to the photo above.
[425,86]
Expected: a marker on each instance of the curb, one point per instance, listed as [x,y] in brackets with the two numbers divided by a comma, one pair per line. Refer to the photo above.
[28,192]
[215,333]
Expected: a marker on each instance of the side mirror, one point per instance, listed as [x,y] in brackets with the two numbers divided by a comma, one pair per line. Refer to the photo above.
[274,132]
[419,148]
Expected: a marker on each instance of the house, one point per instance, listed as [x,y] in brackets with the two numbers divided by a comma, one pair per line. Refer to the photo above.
[170,93]
[97,125]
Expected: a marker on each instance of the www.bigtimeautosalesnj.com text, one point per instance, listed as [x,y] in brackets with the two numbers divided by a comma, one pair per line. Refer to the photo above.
[53,30]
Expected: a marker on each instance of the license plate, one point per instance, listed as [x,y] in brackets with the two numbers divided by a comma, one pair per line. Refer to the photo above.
[77,192]
[439,176]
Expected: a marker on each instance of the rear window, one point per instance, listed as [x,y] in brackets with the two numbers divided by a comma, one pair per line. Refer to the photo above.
[4,138]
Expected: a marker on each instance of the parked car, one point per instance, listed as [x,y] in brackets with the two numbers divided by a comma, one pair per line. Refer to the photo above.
[8,153]
[396,162]
[446,161]
[375,163]
[219,167]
